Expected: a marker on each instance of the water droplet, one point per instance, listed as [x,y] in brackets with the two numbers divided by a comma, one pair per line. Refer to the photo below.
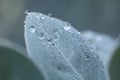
[55,30]
[91,50]
[42,17]
[32,29]
[55,37]
[67,27]
[78,32]
[87,58]
[59,52]
[50,40]
[102,67]
[53,44]
[40,34]
[83,41]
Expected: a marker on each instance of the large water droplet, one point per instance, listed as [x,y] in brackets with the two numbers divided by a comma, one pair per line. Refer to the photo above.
[32,29]
[67,27]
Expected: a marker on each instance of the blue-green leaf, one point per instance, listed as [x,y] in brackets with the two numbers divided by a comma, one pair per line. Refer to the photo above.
[115,65]
[61,50]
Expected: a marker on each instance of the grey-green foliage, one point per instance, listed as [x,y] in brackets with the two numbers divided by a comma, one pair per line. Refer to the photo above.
[14,65]
[115,65]
[60,50]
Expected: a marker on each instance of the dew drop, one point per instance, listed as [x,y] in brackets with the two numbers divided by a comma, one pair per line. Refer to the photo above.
[87,58]
[37,17]
[40,34]
[32,29]
[52,55]
[50,40]
[55,37]
[53,44]
[102,68]
[42,17]
[91,50]
[59,52]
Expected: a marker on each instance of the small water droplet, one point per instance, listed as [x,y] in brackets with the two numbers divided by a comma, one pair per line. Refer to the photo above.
[59,52]
[102,67]
[83,41]
[53,44]
[78,32]
[42,17]
[40,34]
[87,58]
[50,40]
[91,50]
[37,17]
[74,34]
[55,37]
[32,29]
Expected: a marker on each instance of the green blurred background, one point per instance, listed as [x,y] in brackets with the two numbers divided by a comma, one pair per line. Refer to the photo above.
[98,15]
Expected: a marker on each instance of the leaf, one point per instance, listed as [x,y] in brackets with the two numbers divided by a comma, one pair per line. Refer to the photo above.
[115,65]
[61,50]
[14,65]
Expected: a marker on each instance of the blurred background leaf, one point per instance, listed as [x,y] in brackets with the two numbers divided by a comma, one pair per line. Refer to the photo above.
[16,66]
[115,66]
